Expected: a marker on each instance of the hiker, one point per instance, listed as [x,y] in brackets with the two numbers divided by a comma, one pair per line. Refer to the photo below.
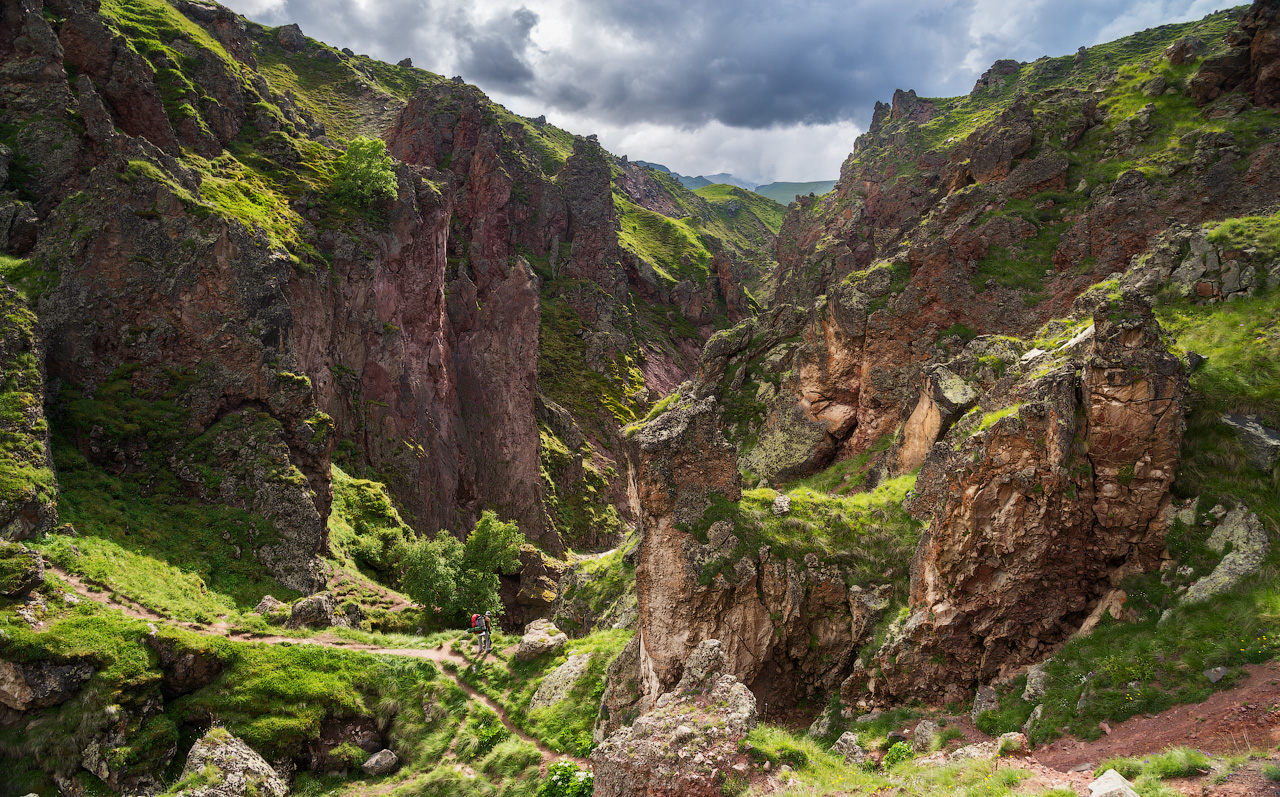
[482,625]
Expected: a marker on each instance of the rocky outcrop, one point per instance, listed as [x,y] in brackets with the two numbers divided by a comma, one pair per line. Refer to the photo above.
[683,462]
[1036,510]
[690,744]
[1251,62]
[944,398]
[32,685]
[787,628]
[236,770]
[186,666]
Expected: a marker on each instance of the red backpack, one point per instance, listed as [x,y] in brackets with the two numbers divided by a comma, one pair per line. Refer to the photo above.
[475,623]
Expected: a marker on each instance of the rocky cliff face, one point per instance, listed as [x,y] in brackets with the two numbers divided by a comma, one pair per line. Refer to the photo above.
[254,326]
[1038,509]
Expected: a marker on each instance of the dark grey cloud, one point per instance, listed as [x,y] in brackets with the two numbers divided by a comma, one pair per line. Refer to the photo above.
[687,64]
[495,53]
[746,63]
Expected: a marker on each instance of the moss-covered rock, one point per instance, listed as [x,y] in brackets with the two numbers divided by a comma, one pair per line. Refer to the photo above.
[21,569]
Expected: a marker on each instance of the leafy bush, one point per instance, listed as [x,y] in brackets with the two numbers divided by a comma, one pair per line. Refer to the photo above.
[899,752]
[366,173]
[456,578]
[1271,772]
[567,779]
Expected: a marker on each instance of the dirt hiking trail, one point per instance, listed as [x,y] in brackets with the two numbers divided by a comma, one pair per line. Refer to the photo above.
[439,655]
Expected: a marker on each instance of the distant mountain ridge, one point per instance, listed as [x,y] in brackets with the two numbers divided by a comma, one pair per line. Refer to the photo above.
[782,193]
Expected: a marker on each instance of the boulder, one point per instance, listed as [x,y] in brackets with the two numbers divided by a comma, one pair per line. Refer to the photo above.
[234,768]
[291,38]
[315,611]
[1261,442]
[985,700]
[269,604]
[1037,680]
[847,746]
[380,763]
[1112,784]
[21,569]
[540,637]
[924,736]
[1249,546]
[556,685]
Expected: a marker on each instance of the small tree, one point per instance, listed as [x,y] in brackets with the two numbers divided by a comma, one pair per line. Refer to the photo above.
[458,578]
[366,173]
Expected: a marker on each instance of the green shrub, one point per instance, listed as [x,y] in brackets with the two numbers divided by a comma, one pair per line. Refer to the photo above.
[366,173]
[1271,772]
[567,779]
[899,752]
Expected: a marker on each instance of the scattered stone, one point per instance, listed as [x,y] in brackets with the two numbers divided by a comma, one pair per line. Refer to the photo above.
[380,763]
[1087,766]
[898,736]
[237,770]
[866,719]
[1112,784]
[924,735]
[540,637]
[1216,674]
[847,746]
[408,62]
[21,569]
[555,687]
[985,700]
[1261,442]
[781,504]
[1249,546]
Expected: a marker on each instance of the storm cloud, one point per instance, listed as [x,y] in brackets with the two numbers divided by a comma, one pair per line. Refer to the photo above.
[661,72]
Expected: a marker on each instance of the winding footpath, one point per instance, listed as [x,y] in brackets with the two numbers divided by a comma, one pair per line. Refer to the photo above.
[439,655]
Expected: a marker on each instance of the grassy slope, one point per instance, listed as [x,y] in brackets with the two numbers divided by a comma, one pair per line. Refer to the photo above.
[566,726]
[785,193]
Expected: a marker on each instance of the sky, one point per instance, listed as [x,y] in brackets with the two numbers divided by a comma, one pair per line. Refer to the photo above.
[763,89]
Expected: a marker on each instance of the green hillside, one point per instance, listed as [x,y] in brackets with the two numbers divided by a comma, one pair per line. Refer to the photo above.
[785,193]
